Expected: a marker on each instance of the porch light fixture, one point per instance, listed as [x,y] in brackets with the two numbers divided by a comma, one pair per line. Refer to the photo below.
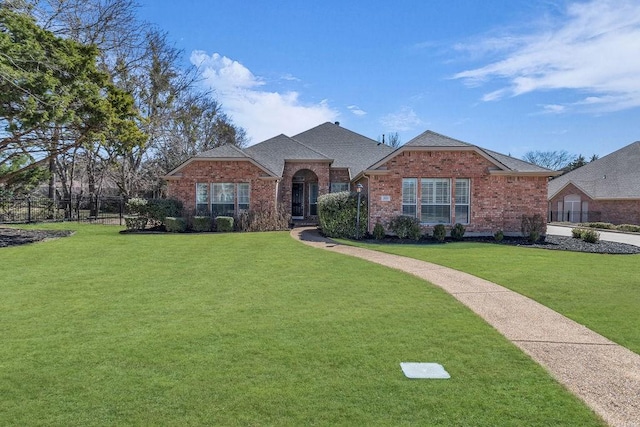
[359,191]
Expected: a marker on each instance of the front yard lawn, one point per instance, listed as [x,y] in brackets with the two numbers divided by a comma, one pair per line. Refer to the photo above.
[247,329]
[599,291]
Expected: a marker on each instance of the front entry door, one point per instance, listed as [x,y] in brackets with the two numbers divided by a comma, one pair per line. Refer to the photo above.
[297,200]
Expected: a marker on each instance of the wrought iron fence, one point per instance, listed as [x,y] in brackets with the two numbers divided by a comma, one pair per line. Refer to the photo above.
[575,216]
[105,210]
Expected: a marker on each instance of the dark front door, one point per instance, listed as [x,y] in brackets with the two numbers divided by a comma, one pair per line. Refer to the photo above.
[297,200]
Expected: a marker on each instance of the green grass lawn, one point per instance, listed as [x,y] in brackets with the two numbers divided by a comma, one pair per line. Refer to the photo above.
[247,329]
[597,290]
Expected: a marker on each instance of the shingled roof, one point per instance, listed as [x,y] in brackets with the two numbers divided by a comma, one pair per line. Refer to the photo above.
[434,140]
[273,152]
[348,149]
[614,176]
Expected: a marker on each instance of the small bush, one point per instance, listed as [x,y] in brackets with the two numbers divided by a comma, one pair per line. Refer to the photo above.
[378,231]
[590,236]
[576,233]
[498,236]
[175,224]
[457,232]
[405,227]
[532,227]
[224,224]
[628,227]
[135,222]
[603,225]
[201,223]
[137,206]
[155,210]
[439,232]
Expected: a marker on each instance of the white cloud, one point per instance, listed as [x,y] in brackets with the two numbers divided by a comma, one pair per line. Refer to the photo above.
[262,113]
[593,50]
[403,120]
[357,110]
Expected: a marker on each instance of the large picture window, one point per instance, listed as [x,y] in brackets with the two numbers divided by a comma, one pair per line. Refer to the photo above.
[409,196]
[462,200]
[222,199]
[435,201]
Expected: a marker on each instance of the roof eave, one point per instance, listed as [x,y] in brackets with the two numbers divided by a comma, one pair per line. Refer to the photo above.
[524,173]
[218,159]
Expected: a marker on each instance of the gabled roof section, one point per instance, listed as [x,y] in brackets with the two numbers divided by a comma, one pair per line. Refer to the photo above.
[348,149]
[504,164]
[224,151]
[433,139]
[614,176]
[273,152]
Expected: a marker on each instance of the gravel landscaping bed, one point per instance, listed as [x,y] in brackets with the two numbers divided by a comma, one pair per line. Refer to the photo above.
[559,243]
[15,236]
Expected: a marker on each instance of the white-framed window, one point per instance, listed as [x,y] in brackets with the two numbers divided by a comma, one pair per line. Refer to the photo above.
[243,196]
[463,200]
[409,196]
[202,198]
[337,187]
[435,201]
[313,198]
[223,199]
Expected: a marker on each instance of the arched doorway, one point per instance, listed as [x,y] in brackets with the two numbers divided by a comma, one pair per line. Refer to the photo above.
[304,194]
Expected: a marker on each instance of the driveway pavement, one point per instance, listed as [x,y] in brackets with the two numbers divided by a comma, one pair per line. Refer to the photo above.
[563,230]
[605,375]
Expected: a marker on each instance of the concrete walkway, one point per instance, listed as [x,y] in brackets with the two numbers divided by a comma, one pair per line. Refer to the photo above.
[611,236]
[604,375]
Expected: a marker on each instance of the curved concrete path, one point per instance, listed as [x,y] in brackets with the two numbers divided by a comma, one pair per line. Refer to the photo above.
[606,376]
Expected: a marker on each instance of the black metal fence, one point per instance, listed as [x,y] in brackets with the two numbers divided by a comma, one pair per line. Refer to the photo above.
[105,210]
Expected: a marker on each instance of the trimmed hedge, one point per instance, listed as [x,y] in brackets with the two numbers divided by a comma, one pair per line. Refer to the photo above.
[439,232]
[337,214]
[224,224]
[175,224]
[201,223]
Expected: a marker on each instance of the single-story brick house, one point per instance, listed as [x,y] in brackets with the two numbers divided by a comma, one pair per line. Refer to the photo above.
[438,179]
[607,190]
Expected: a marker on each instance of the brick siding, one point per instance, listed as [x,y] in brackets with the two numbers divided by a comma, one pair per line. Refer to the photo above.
[498,202]
[612,211]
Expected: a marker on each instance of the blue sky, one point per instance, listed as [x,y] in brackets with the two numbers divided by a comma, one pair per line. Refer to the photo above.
[508,75]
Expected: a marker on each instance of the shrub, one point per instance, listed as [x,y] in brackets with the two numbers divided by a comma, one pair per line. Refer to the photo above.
[405,227]
[378,231]
[628,227]
[200,223]
[498,236]
[224,224]
[135,222]
[457,232]
[532,227]
[266,220]
[603,225]
[175,224]
[155,210]
[590,236]
[337,214]
[137,206]
[576,233]
[439,232]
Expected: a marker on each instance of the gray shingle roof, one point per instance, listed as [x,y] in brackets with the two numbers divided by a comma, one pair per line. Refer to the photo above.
[348,149]
[224,151]
[273,152]
[433,139]
[614,176]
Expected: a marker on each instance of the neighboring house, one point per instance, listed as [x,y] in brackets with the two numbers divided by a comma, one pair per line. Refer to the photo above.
[438,179]
[607,190]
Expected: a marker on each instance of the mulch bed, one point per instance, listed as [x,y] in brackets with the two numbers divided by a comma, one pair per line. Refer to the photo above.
[15,236]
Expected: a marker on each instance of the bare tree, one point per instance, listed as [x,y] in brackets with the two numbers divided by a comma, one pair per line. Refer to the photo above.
[392,139]
[554,160]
